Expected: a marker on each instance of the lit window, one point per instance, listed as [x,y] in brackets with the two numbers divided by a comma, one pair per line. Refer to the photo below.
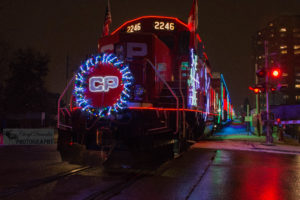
[259,33]
[297,74]
[283,29]
[272,35]
[297,80]
[282,35]
[297,52]
[296,35]
[284,74]
[295,30]
[297,46]
[284,52]
[297,85]
[297,97]
[271,24]
[283,47]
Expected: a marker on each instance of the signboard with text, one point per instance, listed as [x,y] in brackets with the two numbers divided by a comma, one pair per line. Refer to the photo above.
[28,136]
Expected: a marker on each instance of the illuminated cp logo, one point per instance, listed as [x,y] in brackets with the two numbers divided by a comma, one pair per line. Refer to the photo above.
[103,84]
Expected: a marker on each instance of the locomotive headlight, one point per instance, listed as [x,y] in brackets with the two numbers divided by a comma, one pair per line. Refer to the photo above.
[139,92]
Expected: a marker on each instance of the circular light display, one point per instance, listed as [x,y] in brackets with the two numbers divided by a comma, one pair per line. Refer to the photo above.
[102,85]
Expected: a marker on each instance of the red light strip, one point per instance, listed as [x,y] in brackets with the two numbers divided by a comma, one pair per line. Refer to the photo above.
[144,17]
[198,36]
[162,109]
[169,109]
[205,55]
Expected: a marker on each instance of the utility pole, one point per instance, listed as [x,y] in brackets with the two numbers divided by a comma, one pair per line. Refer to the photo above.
[269,138]
[257,94]
[257,101]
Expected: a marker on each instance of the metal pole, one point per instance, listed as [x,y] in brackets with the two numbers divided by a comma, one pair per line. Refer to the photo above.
[67,76]
[256,96]
[268,134]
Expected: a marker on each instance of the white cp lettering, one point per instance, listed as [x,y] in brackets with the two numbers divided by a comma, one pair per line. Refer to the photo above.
[103,84]
[136,49]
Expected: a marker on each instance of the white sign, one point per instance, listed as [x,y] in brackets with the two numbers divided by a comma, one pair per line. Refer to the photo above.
[136,49]
[103,84]
[28,136]
[109,47]
[248,118]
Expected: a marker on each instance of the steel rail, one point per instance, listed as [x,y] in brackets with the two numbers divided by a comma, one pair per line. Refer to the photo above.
[117,188]
[38,182]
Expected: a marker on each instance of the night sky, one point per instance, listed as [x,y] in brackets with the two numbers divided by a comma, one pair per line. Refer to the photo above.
[72,27]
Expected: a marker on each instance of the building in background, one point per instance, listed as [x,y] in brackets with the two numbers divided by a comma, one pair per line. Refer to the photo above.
[283,37]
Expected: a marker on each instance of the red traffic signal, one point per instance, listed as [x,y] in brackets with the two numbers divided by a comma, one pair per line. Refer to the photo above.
[273,89]
[275,73]
[261,72]
[278,120]
[256,90]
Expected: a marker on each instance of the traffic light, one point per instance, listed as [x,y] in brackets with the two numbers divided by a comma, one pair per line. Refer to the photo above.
[257,89]
[275,72]
[261,72]
[278,120]
[273,89]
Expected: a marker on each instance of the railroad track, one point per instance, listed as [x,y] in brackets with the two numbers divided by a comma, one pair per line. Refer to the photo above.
[117,188]
[130,178]
[8,192]
[138,175]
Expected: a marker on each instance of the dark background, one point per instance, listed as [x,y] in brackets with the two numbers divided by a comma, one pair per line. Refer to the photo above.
[71,28]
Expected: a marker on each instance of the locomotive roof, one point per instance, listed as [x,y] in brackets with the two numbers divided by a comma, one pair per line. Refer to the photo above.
[184,25]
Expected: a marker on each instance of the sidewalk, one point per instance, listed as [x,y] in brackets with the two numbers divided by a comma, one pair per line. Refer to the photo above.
[250,143]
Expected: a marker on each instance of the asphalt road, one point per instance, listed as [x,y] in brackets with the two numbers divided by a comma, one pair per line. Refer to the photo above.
[250,175]
[38,173]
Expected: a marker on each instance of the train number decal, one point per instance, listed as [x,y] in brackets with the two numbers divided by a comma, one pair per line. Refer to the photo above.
[160,25]
[133,28]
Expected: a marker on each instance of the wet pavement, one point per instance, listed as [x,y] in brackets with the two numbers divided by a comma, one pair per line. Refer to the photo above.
[230,175]
[176,181]
[250,175]
[21,164]
[211,169]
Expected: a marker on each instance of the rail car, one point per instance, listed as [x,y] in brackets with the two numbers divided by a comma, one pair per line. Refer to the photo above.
[147,93]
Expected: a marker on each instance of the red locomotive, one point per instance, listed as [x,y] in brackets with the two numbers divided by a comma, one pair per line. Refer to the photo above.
[147,92]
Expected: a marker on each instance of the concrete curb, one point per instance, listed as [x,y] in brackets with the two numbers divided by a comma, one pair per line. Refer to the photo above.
[277,150]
